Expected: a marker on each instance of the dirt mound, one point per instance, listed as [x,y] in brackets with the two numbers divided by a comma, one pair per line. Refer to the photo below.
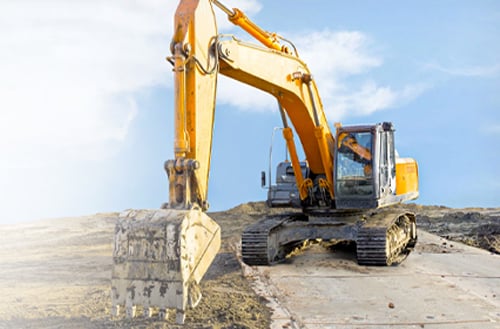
[477,227]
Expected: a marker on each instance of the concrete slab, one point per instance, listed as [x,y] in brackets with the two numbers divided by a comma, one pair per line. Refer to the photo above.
[442,284]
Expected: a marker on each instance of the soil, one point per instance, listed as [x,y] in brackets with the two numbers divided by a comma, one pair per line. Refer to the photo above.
[56,273]
[477,227]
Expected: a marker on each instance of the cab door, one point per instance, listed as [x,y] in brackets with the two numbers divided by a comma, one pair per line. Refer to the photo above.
[387,161]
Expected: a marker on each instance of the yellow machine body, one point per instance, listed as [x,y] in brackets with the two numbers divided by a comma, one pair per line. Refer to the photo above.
[406,176]
[160,256]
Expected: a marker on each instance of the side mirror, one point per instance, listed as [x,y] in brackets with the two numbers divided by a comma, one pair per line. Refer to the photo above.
[263,179]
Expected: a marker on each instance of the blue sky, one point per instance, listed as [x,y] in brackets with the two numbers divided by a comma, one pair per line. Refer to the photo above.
[87,98]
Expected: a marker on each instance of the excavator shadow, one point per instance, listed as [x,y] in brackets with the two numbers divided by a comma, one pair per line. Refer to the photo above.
[338,256]
[224,263]
[344,251]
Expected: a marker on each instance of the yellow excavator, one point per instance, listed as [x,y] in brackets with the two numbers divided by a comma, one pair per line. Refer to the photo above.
[344,185]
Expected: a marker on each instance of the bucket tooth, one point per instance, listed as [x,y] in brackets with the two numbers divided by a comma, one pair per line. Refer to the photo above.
[115,310]
[130,311]
[163,314]
[147,311]
[159,258]
[180,317]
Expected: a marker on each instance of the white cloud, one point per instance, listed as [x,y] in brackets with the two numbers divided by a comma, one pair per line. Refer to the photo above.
[71,70]
[244,97]
[479,71]
[71,75]
[370,98]
[491,128]
[336,53]
[332,57]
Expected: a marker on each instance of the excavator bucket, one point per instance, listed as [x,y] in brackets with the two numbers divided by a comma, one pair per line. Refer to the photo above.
[159,258]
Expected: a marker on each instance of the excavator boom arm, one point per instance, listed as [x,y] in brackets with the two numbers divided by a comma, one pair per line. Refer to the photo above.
[198,54]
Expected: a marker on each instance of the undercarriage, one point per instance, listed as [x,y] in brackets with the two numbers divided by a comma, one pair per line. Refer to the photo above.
[382,237]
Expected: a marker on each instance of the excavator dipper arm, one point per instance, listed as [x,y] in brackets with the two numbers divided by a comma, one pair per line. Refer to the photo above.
[195,79]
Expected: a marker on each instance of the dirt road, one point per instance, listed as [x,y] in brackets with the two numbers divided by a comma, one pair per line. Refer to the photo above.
[442,285]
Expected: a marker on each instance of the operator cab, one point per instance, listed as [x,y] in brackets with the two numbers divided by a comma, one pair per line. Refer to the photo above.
[365,171]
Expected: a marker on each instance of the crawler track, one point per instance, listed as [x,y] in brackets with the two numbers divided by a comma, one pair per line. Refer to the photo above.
[255,247]
[387,240]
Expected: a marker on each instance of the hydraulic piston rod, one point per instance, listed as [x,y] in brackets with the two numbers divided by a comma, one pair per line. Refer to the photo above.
[239,18]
